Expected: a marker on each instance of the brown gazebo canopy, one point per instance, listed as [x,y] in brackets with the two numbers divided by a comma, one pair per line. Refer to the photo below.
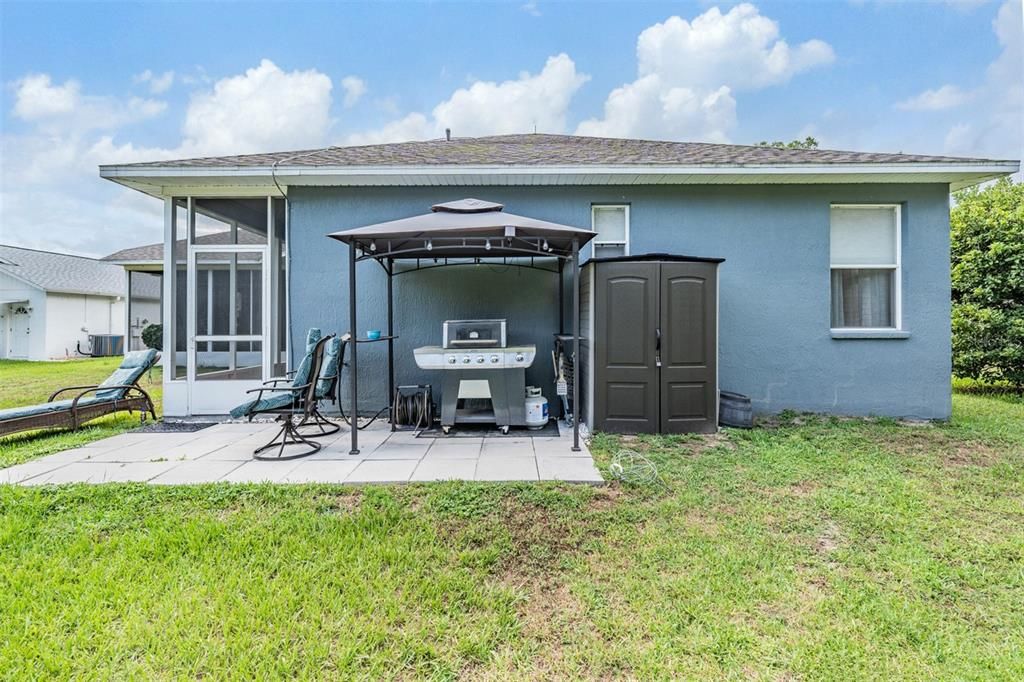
[464,229]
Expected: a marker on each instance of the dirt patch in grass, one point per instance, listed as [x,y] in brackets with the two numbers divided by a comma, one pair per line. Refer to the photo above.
[605,497]
[701,522]
[680,445]
[828,540]
[936,443]
[338,503]
[711,441]
[804,488]
[547,615]
[540,539]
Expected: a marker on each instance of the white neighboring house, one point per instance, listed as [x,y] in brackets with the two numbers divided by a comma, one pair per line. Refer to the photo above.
[52,302]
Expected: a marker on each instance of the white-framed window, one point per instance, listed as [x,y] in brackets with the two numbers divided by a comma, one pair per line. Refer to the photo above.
[864,247]
[611,223]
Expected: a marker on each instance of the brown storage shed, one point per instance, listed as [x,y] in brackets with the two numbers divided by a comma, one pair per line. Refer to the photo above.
[649,346]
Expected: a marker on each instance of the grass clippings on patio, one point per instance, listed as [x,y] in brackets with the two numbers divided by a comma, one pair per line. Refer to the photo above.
[28,383]
[814,549]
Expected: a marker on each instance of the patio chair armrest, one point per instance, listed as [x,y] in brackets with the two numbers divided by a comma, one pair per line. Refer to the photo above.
[275,381]
[278,389]
[69,388]
[92,389]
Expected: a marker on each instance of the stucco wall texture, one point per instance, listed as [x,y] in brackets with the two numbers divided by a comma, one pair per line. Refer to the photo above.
[775,344]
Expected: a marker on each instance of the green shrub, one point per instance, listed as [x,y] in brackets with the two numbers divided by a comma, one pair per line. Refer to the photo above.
[987,249]
[153,336]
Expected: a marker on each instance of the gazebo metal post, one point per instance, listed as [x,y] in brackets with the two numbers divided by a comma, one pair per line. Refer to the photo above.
[391,337]
[561,295]
[354,374]
[575,344]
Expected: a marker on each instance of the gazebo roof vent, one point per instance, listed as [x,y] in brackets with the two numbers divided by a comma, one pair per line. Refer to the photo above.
[467,206]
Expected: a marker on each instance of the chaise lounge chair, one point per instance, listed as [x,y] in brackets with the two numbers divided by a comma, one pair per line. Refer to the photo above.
[288,402]
[119,392]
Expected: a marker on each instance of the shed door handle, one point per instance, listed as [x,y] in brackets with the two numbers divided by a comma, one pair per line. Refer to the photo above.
[657,346]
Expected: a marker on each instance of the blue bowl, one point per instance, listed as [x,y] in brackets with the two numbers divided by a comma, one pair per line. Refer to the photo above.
[373,334]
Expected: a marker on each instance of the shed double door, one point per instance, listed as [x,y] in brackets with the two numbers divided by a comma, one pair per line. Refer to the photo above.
[656,350]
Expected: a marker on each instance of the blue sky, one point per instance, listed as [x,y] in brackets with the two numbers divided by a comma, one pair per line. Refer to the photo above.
[88,83]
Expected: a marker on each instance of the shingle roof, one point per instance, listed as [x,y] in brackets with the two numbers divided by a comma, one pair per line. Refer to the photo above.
[62,272]
[154,253]
[550,150]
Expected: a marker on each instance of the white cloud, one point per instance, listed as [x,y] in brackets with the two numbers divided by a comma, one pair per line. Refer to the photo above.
[531,101]
[997,129]
[515,106]
[264,109]
[51,197]
[648,108]
[688,72]
[741,49]
[60,108]
[37,97]
[158,83]
[355,88]
[530,8]
[414,126]
[50,194]
[945,97]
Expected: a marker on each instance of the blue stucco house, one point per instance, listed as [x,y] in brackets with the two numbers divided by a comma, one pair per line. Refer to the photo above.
[833,294]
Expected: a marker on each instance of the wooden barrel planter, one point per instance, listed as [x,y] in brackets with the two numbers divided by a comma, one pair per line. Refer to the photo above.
[734,410]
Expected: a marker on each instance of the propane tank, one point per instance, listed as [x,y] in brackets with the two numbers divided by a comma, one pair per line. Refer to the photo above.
[536,408]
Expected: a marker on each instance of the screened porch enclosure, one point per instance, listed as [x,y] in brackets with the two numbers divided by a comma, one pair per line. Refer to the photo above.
[227,330]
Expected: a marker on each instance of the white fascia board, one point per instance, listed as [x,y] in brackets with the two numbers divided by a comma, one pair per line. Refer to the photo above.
[112,172]
[168,180]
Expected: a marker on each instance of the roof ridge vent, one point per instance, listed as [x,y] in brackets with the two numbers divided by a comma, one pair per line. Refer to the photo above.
[467,206]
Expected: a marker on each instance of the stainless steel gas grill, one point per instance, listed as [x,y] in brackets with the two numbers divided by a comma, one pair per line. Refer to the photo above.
[484,378]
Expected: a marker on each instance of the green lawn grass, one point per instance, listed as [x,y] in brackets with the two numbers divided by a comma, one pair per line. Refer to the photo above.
[28,383]
[811,548]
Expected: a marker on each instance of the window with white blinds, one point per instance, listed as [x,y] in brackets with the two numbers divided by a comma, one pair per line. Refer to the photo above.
[864,246]
[611,223]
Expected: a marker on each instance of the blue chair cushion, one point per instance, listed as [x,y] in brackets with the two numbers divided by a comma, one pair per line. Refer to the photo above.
[131,369]
[302,371]
[46,408]
[312,337]
[273,401]
[329,367]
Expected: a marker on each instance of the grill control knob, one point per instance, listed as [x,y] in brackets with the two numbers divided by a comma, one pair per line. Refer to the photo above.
[465,360]
[494,359]
[451,360]
[519,357]
[480,358]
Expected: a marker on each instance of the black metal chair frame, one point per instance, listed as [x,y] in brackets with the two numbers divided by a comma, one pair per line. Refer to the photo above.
[304,402]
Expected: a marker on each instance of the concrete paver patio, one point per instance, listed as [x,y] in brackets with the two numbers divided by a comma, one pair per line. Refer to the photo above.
[223,453]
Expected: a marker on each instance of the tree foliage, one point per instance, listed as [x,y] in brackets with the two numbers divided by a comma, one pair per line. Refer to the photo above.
[153,336]
[806,143]
[987,250]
